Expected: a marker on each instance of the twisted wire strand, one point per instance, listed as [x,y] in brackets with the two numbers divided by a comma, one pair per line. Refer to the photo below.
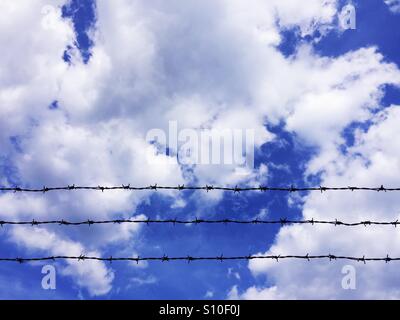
[222,258]
[197,221]
[207,188]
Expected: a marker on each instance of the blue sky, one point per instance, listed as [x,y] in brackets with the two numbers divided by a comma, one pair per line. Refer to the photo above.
[112,69]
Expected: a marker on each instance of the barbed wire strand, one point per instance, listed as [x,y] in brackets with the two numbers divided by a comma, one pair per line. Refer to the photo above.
[197,221]
[206,188]
[189,259]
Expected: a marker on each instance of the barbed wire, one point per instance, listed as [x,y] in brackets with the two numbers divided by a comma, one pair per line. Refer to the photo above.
[198,221]
[207,188]
[189,259]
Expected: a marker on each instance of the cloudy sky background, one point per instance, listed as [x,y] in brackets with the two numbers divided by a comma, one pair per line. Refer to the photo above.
[83,81]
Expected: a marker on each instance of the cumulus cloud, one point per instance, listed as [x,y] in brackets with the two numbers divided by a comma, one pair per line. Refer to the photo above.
[53,148]
[31,65]
[394,5]
[372,159]
[152,63]
[92,275]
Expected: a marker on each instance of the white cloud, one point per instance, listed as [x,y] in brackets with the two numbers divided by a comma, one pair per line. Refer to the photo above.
[151,64]
[143,281]
[232,273]
[394,5]
[263,214]
[370,162]
[233,294]
[92,275]
[31,63]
